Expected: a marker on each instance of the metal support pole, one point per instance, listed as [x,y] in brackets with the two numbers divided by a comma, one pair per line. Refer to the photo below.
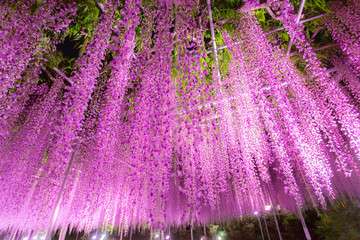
[192,234]
[297,21]
[13,236]
[262,234]
[302,21]
[306,231]
[273,31]
[267,230]
[225,108]
[121,232]
[277,224]
[56,209]
[211,22]
[204,230]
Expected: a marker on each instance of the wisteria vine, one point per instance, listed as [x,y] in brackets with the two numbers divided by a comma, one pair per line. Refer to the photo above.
[145,132]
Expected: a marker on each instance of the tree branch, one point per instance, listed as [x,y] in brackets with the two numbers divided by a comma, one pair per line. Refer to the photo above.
[316,49]
[263,5]
[331,70]
[47,73]
[220,22]
[302,21]
[316,31]
[105,68]
[244,10]
[101,6]
[66,79]
[272,14]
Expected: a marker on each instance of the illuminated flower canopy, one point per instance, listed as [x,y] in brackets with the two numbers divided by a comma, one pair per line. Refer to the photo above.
[152,125]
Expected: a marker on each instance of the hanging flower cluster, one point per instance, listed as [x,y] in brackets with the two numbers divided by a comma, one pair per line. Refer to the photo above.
[344,27]
[146,133]
[23,46]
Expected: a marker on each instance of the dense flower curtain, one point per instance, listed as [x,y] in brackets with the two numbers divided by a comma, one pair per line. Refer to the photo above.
[157,136]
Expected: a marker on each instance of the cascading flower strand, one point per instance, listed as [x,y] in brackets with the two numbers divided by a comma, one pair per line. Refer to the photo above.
[147,134]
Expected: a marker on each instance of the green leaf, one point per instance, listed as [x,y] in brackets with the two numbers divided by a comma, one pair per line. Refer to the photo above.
[284,36]
[33,8]
[260,16]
